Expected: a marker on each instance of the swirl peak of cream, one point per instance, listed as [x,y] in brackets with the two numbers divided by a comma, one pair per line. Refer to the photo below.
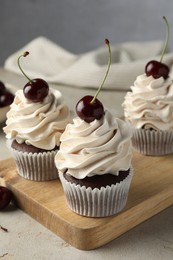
[150,103]
[96,148]
[39,124]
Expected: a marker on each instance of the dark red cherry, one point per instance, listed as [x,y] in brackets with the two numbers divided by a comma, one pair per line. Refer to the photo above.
[5,197]
[6,99]
[89,111]
[157,69]
[2,88]
[90,108]
[36,90]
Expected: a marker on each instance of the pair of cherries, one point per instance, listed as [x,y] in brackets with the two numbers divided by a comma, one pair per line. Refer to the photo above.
[88,108]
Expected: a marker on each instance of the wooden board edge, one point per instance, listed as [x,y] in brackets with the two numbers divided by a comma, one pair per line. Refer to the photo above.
[92,238]
[127,219]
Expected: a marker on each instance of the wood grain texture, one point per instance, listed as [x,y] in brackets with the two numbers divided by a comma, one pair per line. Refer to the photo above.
[151,192]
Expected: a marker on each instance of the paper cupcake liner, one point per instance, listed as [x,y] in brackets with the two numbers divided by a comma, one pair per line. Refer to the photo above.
[151,142]
[36,166]
[96,202]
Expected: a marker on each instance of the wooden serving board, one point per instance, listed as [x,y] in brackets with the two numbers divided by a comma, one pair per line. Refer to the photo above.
[151,192]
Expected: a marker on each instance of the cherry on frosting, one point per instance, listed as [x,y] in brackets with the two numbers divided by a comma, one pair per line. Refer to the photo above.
[155,68]
[90,108]
[89,111]
[36,89]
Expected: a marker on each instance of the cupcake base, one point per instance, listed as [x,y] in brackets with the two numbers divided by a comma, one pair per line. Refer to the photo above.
[152,142]
[33,163]
[97,202]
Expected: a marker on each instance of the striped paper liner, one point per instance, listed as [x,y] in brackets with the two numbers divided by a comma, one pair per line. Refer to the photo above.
[96,202]
[152,142]
[36,166]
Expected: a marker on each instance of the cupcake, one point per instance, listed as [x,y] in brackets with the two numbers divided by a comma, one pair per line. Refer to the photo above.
[35,122]
[94,160]
[149,108]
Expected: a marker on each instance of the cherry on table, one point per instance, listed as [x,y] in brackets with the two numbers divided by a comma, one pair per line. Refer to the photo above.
[5,197]
[2,88]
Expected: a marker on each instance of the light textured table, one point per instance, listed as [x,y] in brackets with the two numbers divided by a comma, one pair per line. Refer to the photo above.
[27,239]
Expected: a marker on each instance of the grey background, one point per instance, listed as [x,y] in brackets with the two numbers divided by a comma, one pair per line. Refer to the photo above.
[81,25]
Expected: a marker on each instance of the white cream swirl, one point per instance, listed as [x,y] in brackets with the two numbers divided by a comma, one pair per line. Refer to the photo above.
[39,124]
[102,146]
[150,103]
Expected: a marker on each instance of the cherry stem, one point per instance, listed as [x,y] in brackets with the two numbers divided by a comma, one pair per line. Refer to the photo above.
[167,38]
[109,63]
[4,229]
[18,62]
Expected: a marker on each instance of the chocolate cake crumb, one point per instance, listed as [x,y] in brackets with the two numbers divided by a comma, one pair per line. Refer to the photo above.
[98,181]
[23,147]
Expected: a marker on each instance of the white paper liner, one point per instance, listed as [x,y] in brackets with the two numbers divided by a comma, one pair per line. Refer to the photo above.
[151,142]
[36,166]
[96,202]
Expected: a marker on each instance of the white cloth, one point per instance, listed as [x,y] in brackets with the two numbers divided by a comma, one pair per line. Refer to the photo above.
[57,65]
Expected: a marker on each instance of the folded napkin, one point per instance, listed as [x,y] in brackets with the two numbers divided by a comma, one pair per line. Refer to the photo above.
[57,65]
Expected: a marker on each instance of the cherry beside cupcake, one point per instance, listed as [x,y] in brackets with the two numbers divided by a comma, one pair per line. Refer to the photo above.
[149,108]
[35,122]
[6,98]
[94,159]
[5,197]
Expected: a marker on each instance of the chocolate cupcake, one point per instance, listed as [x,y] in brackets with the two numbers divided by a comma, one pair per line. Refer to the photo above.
[94,163]
[94,159]
[34,129]
[149,110]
